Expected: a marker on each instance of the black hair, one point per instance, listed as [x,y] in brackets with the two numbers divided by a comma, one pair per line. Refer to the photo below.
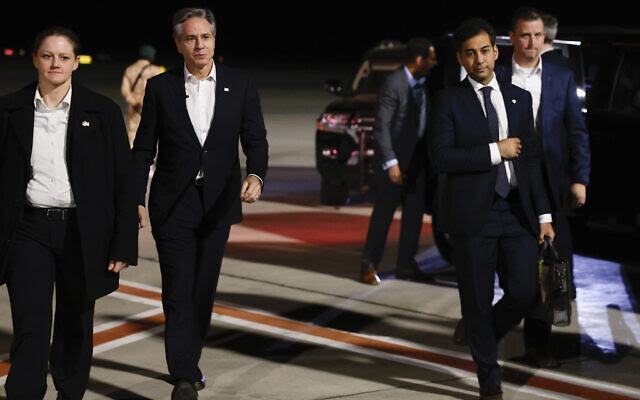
[57,31]
[470,28]
[418,47]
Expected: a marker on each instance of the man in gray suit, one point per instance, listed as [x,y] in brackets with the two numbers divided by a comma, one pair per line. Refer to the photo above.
[399,133]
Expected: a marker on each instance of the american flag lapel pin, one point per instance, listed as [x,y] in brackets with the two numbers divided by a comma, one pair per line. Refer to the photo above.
[85,123]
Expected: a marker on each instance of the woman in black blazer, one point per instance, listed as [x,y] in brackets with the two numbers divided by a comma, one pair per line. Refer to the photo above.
[68,217]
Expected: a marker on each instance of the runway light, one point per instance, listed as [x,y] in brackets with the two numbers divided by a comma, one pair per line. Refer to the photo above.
[85,59]
[581,93]
[8,52]
[21,52]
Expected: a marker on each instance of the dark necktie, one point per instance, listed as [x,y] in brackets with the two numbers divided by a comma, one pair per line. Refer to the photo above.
[419,98]
[502,183]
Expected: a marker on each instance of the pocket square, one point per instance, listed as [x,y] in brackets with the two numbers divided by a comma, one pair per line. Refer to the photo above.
[85,123]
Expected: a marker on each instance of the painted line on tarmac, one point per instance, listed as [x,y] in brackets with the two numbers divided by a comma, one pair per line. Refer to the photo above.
[143,325]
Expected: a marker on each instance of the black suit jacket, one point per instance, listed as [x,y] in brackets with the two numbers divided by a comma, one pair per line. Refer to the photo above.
[562,130]
[165,123]
[99,164]
[459,140]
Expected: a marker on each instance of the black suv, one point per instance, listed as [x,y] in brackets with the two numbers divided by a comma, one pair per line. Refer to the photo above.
[607,74]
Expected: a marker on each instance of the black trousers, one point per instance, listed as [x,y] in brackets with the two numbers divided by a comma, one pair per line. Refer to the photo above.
[537,333]
[190,254]
[44,253]
[505,240]
[412,196]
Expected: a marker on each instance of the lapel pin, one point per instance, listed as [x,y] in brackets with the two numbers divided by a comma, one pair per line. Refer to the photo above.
[85,123]
[513,101]
[226,89]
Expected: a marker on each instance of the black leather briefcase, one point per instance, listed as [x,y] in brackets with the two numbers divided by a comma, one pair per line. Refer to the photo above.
[554,287]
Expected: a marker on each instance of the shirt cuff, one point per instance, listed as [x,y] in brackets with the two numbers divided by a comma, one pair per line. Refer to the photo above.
[390,164]
[545,218]
[260,179]
[495,154]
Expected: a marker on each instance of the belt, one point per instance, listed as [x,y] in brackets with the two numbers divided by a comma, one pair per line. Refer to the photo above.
[53,214]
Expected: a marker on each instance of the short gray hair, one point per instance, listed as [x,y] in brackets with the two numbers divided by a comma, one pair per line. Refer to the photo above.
[550,27]
[186,13]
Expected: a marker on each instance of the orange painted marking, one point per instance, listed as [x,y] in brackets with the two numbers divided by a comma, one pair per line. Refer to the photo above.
[133,327]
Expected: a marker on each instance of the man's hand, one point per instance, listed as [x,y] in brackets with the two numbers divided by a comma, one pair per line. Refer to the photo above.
[546,230]
[509,148]
[395,174]
[137,108]
[251,189]
[141,221]
[117,266]
[578,195]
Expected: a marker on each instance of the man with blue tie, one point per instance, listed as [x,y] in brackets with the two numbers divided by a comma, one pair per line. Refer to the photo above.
[564,145]
[492,200]
[401,154]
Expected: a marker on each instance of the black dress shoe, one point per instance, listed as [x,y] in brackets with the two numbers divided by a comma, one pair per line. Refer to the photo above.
[200,383]
[184,390]
[491,393]
[413,274]
[460,335]
[540,358]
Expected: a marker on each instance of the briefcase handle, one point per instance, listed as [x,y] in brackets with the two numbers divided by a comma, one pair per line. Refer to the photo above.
[547,245]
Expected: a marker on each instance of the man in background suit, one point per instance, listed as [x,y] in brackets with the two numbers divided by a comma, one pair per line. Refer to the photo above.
[494,205]
[564,142]
[547,52]
[196,115]
[400,138]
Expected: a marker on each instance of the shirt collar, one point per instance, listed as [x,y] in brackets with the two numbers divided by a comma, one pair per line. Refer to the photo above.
[517,69]
[412,81]
[39,104]
[477,85]
[189,76]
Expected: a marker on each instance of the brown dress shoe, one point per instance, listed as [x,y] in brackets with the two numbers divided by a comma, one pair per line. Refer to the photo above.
[370,277]
[460,335]
[540,359]
[491,393]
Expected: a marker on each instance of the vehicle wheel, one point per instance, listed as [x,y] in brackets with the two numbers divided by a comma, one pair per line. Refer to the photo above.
[333,194]
[444,245]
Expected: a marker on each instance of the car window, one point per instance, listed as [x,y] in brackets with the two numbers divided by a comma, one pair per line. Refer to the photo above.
[370,76]
[600,65]
[626,95]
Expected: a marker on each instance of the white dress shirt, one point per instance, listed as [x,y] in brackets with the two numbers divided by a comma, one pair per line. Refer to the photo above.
[201,103]
[503,124]
[49,187]
[529,79]
[503,131]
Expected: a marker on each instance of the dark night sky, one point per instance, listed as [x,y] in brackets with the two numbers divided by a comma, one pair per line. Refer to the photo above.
[268,31]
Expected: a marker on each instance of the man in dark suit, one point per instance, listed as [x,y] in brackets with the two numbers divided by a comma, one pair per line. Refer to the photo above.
[492,199]
[547,52]
[565,146]
[401,152]
[196,115]
[67,218]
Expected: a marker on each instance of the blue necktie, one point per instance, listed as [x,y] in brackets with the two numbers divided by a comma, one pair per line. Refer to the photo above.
[419,97]
[502,183]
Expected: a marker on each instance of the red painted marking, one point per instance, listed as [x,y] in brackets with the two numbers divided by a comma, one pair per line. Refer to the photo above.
[320,228]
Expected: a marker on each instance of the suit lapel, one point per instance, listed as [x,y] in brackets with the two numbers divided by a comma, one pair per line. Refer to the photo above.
[178,97]
[472,103]
[223,91]
[21,119]
[509,105]
[545,95]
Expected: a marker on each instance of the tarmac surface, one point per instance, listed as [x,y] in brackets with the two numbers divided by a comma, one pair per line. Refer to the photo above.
[291,320]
